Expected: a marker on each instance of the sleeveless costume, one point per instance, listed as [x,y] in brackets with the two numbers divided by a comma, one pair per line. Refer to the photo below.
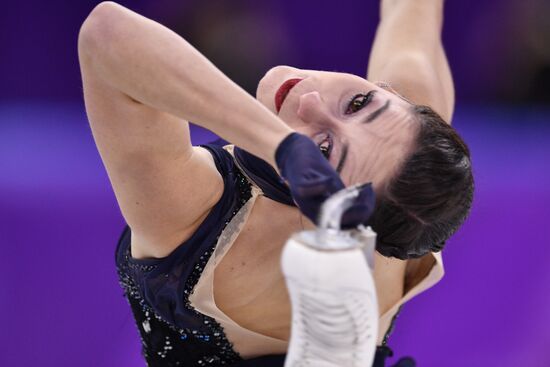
[172,297]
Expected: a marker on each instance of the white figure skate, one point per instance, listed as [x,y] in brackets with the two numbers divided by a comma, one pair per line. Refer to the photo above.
[334,304]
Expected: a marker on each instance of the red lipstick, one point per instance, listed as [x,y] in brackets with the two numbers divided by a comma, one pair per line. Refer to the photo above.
[283,91]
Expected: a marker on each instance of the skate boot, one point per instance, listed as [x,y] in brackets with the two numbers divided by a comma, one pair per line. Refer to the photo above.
[332,292]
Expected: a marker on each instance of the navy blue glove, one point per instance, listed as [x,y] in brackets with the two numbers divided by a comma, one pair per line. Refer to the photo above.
[312,180]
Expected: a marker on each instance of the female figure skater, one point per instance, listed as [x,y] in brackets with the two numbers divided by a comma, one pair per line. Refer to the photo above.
[199,259]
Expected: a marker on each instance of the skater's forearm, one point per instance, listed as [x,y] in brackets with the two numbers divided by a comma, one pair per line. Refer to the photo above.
[408,53]
[156,67]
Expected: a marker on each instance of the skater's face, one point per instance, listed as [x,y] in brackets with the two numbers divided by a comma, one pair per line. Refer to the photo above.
[365,129]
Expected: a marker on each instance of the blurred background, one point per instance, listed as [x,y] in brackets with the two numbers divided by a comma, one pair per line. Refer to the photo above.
[60,303]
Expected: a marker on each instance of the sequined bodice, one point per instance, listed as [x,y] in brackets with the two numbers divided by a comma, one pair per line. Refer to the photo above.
[172,332]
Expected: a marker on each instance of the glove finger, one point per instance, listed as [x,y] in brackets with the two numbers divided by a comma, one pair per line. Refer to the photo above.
[320,186]
[361,209]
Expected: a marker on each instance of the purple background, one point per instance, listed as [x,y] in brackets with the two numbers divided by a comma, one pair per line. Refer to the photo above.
[60,303]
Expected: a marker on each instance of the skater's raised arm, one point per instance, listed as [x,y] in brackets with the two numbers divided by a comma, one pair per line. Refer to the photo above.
[154,66]
[141,83]
[408,53]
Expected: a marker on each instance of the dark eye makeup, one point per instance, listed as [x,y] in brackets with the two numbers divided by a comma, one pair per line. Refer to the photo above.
[359,101]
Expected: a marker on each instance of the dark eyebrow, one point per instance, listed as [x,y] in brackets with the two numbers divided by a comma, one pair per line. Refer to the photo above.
[343,157]
[377,113]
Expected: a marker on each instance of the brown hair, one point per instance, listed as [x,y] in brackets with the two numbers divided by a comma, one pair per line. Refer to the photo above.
[430,196]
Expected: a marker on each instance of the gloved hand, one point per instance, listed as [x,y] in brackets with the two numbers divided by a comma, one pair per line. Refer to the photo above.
[312,180]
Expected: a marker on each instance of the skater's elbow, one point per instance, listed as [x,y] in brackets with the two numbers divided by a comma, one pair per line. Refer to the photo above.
[99,28]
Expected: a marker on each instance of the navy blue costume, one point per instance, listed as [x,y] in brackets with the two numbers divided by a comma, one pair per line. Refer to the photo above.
[172,332]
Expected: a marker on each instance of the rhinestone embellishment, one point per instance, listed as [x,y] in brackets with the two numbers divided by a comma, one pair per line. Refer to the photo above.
[167,344]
